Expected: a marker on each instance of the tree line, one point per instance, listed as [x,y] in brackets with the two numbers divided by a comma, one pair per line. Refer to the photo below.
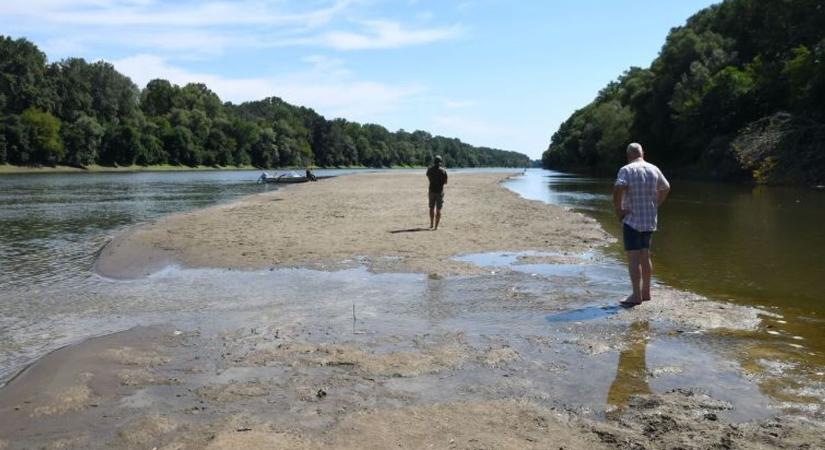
[79,113]
[738,92]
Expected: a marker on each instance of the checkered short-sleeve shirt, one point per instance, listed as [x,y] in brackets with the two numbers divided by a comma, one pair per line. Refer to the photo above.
[643,181]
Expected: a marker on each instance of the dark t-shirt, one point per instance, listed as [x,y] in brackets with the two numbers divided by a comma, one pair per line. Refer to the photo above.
[438,178]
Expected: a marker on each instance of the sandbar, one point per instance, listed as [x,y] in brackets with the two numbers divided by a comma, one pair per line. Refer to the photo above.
[379,220]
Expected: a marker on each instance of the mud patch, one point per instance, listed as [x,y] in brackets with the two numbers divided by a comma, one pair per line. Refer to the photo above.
[394,363]
[500,357]
[145,432]
[73,398]
[133,357]
[143,377]
[501,425]
[231,392]
[687,419]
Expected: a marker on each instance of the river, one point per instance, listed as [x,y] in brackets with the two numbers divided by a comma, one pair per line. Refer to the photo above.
[753,245]
[756,246]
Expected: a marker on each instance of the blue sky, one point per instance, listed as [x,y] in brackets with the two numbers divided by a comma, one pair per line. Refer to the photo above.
[491,72]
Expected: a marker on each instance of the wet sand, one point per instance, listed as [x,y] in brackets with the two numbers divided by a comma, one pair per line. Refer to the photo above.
[453,354]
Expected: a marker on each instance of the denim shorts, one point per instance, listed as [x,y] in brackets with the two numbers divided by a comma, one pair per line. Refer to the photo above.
[436,200]
[636,240]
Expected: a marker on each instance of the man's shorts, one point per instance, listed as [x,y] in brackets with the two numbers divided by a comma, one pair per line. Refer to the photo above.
[436,199]
[636,240]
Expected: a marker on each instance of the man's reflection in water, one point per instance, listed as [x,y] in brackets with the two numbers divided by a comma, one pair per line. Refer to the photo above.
[631,374]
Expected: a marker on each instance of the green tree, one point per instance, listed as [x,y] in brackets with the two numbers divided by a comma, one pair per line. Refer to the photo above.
[22,76]
[82,139]
[265,149]
[43,131]
[158,97]
[114,97]
[71,82]
[122,145]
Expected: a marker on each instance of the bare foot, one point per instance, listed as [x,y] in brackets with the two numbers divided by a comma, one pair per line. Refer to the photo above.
[630,301]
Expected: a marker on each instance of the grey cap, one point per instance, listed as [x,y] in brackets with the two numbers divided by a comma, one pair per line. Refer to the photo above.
[437,158]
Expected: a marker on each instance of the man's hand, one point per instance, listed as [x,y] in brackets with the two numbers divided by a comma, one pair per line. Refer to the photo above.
[618,192]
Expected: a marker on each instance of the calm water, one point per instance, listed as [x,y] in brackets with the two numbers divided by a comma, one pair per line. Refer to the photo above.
[754,245]
[52,225]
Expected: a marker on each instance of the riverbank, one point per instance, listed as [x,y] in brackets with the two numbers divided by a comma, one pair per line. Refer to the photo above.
[94,168]
[8,169]
[352,326]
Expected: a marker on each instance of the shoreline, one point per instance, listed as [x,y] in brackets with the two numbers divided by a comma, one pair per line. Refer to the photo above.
[389,340]
[11,169]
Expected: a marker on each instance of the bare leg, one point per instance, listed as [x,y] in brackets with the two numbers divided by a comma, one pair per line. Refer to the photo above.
[437,218]
[432,216]
[635,270]
[647,269]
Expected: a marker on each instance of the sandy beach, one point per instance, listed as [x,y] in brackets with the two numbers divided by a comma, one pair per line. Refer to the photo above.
[379,220]
[341,321]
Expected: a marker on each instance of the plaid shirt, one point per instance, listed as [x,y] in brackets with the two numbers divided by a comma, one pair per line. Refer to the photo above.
[643,181]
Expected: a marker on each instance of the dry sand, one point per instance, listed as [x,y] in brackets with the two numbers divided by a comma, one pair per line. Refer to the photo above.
[377,219]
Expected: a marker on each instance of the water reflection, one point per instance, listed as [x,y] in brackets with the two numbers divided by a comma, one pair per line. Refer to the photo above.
[760,245]
[631,372]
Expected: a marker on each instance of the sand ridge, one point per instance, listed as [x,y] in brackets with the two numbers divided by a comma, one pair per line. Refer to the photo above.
[376,219]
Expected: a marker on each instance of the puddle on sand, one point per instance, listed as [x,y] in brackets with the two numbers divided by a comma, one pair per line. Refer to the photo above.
[581,314]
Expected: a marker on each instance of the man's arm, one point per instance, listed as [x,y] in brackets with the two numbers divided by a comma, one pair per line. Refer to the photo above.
[662,189]
[618,193]
[661,196]
[445,177]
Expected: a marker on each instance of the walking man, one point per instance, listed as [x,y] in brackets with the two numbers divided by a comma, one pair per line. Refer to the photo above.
[438,178]
[639,191]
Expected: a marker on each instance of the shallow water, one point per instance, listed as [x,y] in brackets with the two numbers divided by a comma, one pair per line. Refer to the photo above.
[52,225]
[752,245]
[749,245]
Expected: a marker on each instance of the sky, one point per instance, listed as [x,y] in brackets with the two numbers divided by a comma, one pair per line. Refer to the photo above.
[496,73]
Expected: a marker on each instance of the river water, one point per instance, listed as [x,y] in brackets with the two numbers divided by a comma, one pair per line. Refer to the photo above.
[753,245]
[761,246]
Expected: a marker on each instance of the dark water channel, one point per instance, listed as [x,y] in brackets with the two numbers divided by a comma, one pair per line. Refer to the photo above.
[754,245]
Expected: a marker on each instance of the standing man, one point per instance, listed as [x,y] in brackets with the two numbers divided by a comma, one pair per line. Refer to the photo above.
[438,178]
[640,190]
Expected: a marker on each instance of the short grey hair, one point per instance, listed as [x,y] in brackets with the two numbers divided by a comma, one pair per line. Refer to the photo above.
[635,149]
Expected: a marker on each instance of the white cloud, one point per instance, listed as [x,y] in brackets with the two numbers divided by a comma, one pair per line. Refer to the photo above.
[119,13]
[196,29]
[386,34]
[333,95]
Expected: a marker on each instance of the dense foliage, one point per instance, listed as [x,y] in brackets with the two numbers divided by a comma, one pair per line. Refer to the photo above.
[739,91]
[78,113]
